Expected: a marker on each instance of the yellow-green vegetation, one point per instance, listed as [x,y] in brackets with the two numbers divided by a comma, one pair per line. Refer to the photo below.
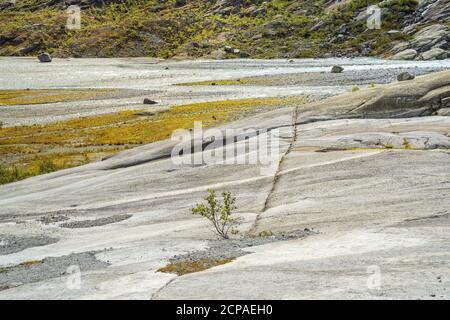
[31,150]
[265,233]
[25,264]
[406,144]
[38,96]
[30,263]
[355,89]
[184,267]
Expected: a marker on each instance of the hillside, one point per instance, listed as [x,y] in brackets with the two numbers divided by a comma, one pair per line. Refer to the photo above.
[224,28]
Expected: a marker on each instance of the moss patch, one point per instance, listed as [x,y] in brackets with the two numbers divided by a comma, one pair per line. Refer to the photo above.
[186,267]
[30,263]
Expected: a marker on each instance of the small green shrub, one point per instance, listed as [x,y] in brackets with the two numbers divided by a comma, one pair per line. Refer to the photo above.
[406,144]
[219,213]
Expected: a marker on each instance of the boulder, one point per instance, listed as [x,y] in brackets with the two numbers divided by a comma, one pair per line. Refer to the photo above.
[254,11]
[445,102]
[443,112]
[442,45]
[337,69]
[227,7]
[408,54]
[44,57]
[405,76]
[244,55]
[434,54]
[229,49]
[399,47]
[180,3]
[149,101]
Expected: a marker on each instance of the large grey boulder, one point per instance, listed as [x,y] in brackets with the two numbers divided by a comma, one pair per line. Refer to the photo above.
[405,76]
[149,101]
[408,54]
[434,54]
[443,112]
[399,47]
[337,69]
[44,57]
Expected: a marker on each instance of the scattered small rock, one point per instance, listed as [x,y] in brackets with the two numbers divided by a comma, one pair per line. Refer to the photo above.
[231,50]
[53,218]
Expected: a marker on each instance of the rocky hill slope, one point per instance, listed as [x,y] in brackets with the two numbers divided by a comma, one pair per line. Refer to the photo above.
[226,28]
